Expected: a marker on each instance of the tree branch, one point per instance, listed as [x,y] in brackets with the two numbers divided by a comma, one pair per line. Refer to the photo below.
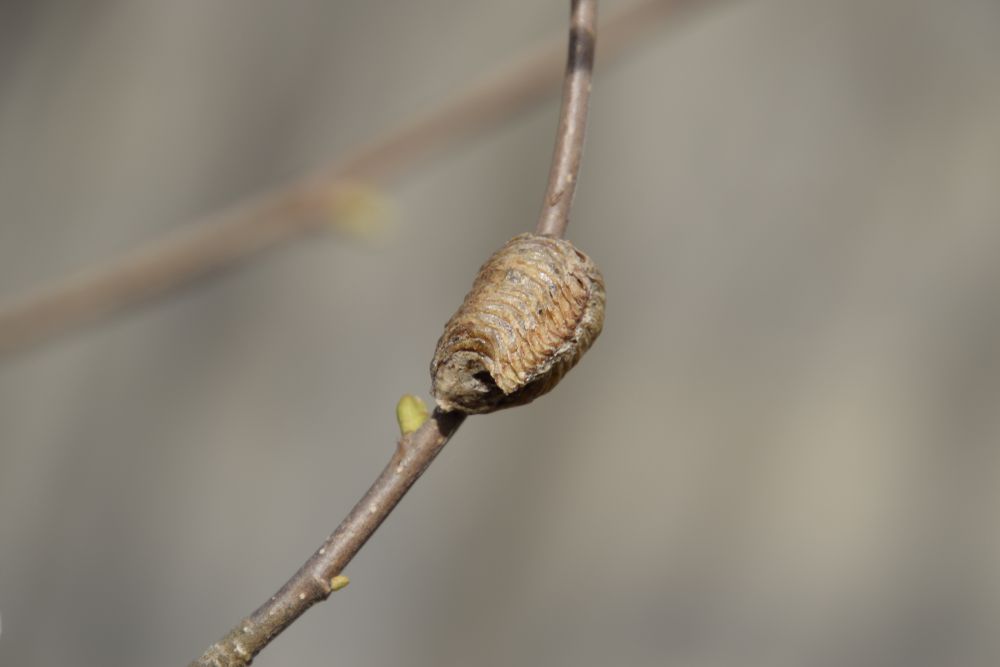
[314,581]
[220,241]
[572,119]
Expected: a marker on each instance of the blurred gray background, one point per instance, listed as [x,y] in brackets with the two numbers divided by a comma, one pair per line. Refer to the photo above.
[783,450]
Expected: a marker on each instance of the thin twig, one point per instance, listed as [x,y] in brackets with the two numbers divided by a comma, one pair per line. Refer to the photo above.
[572,119]
[314,580]
[312,583]
[222,240]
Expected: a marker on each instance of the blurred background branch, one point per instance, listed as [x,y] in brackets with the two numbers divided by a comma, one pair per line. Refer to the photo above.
[307,204]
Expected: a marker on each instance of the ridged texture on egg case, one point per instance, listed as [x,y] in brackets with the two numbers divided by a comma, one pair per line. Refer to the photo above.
[535,307]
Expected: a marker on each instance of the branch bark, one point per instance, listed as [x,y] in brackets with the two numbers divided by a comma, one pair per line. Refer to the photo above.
[242,231]
[314,581]
[568,153]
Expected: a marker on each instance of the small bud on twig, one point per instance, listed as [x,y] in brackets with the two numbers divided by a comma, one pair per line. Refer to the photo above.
[411,413]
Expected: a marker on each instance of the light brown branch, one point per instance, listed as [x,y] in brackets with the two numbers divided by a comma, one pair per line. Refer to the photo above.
[572,119]
[312,583]
[225,239]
